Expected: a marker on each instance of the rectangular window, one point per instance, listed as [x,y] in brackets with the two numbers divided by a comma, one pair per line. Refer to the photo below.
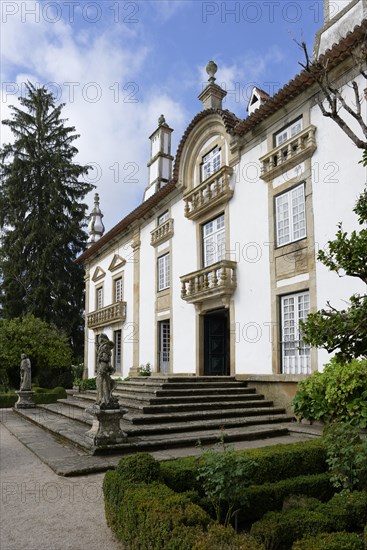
[211,163]
[214,245]
[118,289]
[295,128]
[163,217]
[117,350]
[163,272]
[290,214]
[296,355]
[99,297]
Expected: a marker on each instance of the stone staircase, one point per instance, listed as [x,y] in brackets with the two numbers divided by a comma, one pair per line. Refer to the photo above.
[169,412]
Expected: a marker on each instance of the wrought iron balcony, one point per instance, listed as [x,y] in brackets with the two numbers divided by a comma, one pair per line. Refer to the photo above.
[211,192]
[163,232]
[115,313]
[287,155]
[217,280]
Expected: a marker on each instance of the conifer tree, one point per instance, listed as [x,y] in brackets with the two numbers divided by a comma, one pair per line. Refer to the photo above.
[42,216]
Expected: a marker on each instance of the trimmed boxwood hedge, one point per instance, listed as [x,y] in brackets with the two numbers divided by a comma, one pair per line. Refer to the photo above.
[273,464]
[344,512]
[41,396]
[144,513]
[330,541]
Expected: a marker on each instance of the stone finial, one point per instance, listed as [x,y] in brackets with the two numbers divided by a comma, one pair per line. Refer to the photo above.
[95,226]
[211,70]
[162,121]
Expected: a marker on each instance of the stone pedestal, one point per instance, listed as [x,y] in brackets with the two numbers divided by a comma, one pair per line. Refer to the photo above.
[106,426]
[25,400]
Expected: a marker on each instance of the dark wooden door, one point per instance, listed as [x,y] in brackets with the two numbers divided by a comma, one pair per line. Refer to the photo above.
[216,343]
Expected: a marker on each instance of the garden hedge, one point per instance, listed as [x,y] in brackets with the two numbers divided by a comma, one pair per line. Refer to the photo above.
[41,396]
[330,541]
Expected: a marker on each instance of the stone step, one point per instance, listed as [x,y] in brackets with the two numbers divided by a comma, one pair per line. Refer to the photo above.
[188,407]
[74,432]
[184,384]
[132,399]
[74,412]
[185,416]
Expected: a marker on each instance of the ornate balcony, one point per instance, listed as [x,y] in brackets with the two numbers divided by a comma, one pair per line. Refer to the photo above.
[287,155]
[162,233]
[217,280]
[211,192]
[115,313]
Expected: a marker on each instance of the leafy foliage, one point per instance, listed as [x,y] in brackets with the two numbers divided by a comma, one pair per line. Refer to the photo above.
[339,393]
[86,383]
[330,541]
[346,456]
[225,476]
[145,370]
[42,216]
[140,467]
[47,347]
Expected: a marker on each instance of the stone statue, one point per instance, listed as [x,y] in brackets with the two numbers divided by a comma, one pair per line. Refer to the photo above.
[25,373]
[104,382]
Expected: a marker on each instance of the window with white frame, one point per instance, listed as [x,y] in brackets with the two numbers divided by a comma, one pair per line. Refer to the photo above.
[118,289]
[117,350]
[163,272]
[288,132]
[99,297]
[290,215]
[296,355]
[211,163]
[163,217]
[214,241]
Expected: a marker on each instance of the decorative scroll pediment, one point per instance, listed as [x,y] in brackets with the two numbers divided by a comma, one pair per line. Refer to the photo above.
[98,274]
[117,262]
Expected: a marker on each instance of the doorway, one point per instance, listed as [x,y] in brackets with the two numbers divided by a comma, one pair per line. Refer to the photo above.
[216,343]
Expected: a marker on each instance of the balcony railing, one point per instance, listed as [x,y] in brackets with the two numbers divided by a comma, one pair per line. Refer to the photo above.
[219,279]
[115,313]
[287,155]
[211,192]
[162,232]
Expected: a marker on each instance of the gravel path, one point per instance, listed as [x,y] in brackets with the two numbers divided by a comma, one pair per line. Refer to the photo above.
[42,511]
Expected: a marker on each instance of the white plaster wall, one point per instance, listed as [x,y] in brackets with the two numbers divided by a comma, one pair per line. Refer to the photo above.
[249,236]
[183,318]
[338,179]
[147,296]
[155,144]
[153,171]
[342,26]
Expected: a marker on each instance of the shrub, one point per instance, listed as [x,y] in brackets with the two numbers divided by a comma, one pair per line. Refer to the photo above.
[224,538]
[86,383]
[41,396]
[365,536]
[8,400]
[346,456]
[330,541]
[349,510]
[145,370]
[140,467]
[279,530]
[224,477]
[301,501]
[47,347]
[339,393]
[270,496]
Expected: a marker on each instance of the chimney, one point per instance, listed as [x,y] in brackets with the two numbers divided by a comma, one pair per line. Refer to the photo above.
[160,164]
[95,226]
[212,95]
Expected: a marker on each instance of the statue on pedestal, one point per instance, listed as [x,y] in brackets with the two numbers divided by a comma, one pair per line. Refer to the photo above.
[25,373]
[104,382]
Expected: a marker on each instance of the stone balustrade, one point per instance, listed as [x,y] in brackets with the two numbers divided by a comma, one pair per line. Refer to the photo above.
[115,313]
[219,279]
[163,232]
[287,155]
[213,191]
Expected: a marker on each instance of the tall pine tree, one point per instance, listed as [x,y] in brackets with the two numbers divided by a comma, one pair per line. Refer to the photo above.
[42,216]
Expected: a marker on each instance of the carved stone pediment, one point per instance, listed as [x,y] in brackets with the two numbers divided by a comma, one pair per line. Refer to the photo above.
[98,274]
[117,262]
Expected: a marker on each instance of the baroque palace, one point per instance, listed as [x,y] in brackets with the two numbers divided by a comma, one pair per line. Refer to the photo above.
[212,272]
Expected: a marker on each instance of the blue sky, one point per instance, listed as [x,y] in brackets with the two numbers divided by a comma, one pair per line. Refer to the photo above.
[119,64]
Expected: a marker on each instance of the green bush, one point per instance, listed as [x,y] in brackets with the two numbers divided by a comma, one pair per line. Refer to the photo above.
[219,537]
[273,463]
[279,530]
[349,510]
[365,536]
[339,393]
[271,496]
[140,467]
[86,383]
[7,400]
[330,541]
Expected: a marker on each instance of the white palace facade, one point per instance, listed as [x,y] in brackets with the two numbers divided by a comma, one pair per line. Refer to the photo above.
[212,272]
